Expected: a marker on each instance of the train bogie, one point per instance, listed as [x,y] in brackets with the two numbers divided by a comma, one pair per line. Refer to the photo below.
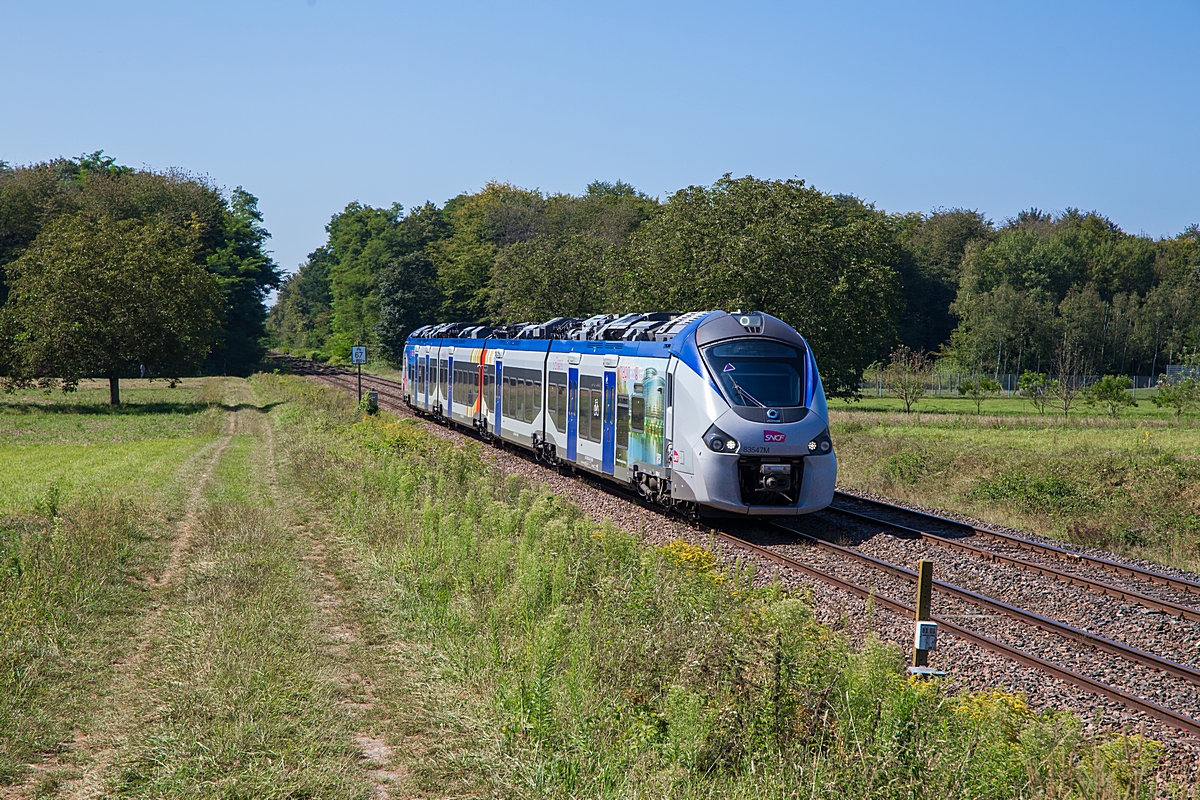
[711,412]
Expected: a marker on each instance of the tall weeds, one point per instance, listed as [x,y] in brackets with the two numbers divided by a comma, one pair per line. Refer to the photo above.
[68,590]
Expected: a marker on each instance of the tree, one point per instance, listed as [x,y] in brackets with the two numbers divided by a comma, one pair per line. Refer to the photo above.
[1181,392]
[96,295]
[932,248]
[907,375]
[230,239]
[245,273]
[1065,389]
[1034,387]
[551,277]
[977,390]
[409,298]
[1111,392]
[1182,395]
[818,262]
[300,318]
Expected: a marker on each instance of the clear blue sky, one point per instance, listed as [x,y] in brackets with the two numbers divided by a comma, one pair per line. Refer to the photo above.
[311,105]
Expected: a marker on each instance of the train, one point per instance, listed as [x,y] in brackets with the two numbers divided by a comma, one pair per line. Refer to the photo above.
[711,413]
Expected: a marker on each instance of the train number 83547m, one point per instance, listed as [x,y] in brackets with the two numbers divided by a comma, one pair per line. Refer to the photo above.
[708,412]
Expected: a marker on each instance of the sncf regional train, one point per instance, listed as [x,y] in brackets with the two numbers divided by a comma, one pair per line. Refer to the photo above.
[707,412]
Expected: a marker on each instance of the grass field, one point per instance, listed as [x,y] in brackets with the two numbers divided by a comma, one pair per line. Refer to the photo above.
[1127,485]
[247,589]
[1003,405]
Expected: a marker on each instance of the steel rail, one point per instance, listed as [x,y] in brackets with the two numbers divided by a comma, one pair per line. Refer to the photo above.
[1165,606]
[1039,547]
[1110,646]
[1151,709]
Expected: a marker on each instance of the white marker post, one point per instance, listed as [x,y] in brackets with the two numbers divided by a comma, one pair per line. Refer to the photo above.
[358,355]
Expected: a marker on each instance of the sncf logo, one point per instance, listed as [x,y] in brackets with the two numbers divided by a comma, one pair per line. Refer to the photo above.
[774,436]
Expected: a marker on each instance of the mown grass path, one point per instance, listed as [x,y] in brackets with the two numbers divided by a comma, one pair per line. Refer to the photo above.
[101,750]
[230,694]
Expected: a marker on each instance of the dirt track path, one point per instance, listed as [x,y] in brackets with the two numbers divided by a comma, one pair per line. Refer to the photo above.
[99,751]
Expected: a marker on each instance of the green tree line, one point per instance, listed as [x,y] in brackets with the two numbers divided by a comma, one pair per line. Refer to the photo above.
[105,269]
[855,280]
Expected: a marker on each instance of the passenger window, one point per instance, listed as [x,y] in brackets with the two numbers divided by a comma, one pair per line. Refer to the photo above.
[623,421]
[596,422]
[563,406]
[637,409]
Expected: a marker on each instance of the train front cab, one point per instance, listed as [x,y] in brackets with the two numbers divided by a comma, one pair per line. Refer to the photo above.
[755,386]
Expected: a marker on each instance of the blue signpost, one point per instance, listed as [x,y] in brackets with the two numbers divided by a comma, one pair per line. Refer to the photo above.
[358,355]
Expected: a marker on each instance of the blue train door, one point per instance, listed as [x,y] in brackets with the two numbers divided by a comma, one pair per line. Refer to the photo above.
[609,439]
[450,386]
[572,413]
[428,377]
[499,395]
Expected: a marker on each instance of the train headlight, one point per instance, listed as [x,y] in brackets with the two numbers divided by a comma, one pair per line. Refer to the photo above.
[720,442]
[821,445]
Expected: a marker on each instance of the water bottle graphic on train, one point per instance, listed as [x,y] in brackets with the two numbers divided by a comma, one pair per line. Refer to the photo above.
[710,413]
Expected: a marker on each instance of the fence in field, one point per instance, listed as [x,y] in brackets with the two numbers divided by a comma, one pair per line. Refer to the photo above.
[947,383]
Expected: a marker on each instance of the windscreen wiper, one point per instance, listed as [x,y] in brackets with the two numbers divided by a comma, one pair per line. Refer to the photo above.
[746,395]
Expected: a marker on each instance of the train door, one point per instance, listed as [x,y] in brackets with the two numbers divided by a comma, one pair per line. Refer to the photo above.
[450,387]
[480,384]
[669,415]
[572,413]
[499,395]
[608,442]
[428,378]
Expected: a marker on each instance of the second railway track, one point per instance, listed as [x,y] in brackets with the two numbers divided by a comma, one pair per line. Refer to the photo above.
[885,515]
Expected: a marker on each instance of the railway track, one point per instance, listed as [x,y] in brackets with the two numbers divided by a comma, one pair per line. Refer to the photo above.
[1041,548]
[390,398]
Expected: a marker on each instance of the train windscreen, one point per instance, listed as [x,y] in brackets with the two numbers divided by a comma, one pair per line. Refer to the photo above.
[758,372]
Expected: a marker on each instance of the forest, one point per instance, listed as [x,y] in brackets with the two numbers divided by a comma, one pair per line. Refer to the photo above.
[983,297]
[106,270]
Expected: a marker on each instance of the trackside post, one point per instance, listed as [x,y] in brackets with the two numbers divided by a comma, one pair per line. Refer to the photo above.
[925,635]
[358,355]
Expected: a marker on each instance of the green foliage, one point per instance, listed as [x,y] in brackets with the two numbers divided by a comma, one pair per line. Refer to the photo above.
[932,248]
[977,389]
[818,262]
[1112,392]
[300,318]
[245,273]
[228,238]
[362,241]
[104,295]
[855,281]
[1181,393]
[1031,492]
[550,277]
[1034,387]
[907,375]
[1126,303]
